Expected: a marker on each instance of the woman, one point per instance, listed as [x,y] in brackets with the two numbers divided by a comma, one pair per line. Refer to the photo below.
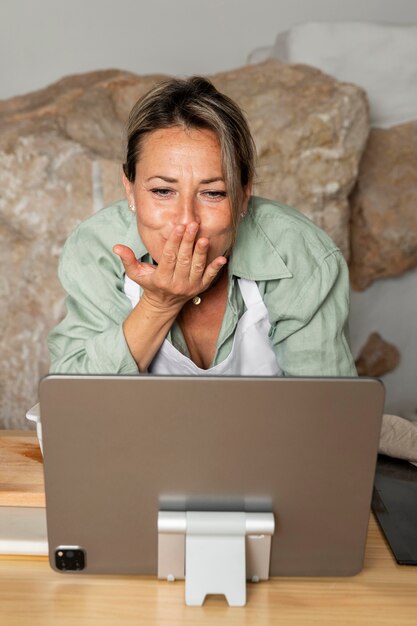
[193,275]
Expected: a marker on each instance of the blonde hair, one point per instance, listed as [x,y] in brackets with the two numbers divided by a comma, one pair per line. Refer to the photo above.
[196,103]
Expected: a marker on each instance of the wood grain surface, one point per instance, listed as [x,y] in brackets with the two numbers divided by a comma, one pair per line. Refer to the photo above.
[21,469]
[383,594]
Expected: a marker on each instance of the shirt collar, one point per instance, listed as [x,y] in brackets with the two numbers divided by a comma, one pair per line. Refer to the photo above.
[254,256]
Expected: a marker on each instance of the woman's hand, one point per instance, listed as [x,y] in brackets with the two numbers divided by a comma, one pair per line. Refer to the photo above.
[182,272]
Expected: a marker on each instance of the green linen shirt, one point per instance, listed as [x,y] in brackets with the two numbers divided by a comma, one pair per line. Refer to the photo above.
[300,273]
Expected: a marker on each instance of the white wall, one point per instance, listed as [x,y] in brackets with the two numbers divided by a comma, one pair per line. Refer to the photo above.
[389,306]
[44,40]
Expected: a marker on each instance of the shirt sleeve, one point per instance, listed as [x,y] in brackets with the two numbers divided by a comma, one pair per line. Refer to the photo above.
[311,337]
[90,339]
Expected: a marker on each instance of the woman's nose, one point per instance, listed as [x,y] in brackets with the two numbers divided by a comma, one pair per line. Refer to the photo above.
[188,211]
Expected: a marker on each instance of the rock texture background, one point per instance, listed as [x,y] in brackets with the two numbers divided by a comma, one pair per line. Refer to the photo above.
[310,132]
[384,206]
[377,357]
[60,155]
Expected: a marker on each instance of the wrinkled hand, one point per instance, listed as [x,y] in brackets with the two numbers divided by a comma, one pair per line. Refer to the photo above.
[182,271]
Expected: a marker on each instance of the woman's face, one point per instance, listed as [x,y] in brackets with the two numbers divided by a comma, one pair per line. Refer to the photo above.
[178,181]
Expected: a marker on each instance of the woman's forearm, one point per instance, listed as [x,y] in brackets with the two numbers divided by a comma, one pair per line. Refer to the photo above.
[145,330]
[88,351]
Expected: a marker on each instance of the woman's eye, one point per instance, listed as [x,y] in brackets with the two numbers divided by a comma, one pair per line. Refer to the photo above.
[215,195]
[162,192]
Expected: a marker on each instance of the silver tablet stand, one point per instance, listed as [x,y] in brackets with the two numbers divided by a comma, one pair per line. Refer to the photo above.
[214,551]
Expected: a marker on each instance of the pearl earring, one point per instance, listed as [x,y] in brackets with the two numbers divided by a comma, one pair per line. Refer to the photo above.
[132,208]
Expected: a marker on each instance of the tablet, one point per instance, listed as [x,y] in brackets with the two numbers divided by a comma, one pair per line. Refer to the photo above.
[117,450]
[394,503]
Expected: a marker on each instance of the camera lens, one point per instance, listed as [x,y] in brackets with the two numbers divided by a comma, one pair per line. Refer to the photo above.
[69,558]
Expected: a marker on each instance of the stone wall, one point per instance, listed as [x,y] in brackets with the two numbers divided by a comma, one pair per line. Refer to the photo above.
[384,206]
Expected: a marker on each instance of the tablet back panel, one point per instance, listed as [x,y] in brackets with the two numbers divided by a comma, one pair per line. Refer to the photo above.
[118,449]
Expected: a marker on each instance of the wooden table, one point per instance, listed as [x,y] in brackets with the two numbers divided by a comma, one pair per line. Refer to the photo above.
[32,594]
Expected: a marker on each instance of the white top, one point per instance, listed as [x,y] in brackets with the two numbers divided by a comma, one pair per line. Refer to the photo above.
[251,355]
